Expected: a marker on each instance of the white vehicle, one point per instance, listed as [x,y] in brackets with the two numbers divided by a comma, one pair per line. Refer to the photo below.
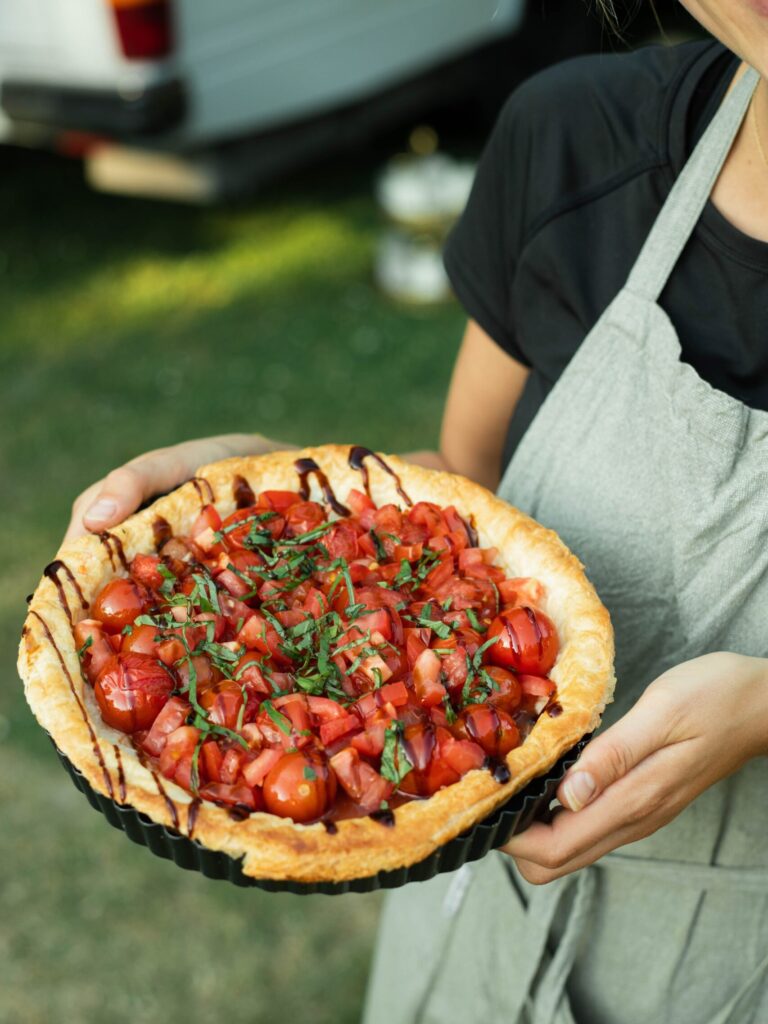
[158,95]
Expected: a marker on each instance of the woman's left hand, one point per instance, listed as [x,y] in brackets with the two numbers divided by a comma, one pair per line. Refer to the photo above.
[696,724]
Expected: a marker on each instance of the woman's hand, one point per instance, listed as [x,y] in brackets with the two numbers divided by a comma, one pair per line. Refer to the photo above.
[109,501]
[696,724]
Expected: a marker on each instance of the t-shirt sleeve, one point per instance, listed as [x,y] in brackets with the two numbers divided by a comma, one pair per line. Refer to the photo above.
[482,250]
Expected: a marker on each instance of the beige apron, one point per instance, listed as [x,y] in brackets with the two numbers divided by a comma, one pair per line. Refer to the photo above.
[659,483]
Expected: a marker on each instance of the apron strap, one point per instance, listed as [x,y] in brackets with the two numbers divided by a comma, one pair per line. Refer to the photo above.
[689,195]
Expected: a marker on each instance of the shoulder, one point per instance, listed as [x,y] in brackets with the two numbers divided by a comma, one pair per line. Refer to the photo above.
[587,121]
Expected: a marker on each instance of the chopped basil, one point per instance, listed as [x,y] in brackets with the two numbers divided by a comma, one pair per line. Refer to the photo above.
[309,773]
[282,723]
[394,759]
[475,622]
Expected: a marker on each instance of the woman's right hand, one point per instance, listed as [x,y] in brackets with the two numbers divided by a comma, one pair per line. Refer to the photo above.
[121,492]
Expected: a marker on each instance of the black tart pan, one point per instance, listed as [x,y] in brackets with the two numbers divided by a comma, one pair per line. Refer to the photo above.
[520,811]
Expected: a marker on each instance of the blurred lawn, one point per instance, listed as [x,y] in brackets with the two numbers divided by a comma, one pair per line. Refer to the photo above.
[127,325]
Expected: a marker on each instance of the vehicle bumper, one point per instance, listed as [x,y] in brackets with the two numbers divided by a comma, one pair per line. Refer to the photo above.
[155,109]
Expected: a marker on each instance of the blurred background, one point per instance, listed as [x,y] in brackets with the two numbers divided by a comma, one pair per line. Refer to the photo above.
[217,217]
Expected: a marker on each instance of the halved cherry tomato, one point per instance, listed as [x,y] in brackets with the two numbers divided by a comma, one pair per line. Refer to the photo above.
[223,701]
[527,641]
[131,691]
[119,603]
[505,691]
[300,786]
[488,726]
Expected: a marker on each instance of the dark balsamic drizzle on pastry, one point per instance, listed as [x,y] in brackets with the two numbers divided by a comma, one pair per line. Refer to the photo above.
[357,456]
[553,709]
[384,817]
[330,827]
[120,772]
[192,811]
[242,493]
[239,812]
[81,706]
[108,539]
[198,481]
[51,572]
[499,771]
[168,802]
[308,467]
[161,531]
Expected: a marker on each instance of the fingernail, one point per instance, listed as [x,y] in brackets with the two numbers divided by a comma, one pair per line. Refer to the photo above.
[578,790]
[101,511]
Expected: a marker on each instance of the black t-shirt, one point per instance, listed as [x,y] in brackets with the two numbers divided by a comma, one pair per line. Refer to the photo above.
[570,183]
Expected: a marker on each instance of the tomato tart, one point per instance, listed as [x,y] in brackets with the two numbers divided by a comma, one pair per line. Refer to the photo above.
[327,663]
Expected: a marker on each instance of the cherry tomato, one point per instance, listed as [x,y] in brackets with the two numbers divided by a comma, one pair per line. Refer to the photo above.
[141,640]
[300,786]
[119,603]
[527,641]
[506,693]
[131,691]
[145,570]
[488,726]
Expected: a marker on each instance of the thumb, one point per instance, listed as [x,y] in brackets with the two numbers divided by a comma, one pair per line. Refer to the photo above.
[613,754]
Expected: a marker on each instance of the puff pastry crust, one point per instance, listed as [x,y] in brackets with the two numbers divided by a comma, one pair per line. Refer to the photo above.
[277,848]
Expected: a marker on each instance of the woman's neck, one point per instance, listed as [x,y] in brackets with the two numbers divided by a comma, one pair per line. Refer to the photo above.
[741,191]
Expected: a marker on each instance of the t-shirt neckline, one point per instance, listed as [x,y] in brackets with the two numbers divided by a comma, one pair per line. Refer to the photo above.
[684,131]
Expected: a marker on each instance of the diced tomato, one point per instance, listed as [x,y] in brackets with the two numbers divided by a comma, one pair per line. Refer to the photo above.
[255,771]
[280,501]
[210,760]
[237,536]
[536,686]
[303,517]
[427,514]
[170,651]
[173,715]
[315,602]
[460,755]
[359,504]
[99,649]
[248,671]
[176,755]
[370,742]
[260,635]
[325,709]
[426,679]
[236,585]
[341,541]
[231,764]
[224,703]
[231,796]
[362,782]
[331,731]
[206,673]
[294,706]
[208,519]
[144,569]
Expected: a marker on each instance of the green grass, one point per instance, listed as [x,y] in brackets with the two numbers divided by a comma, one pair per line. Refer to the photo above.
[127,325]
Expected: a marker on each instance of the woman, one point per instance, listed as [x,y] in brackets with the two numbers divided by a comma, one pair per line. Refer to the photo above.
[615,362]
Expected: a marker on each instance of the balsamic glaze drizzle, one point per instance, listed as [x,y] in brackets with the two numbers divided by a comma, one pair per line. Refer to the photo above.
[108,539]
[384,817]
[161,531]
[357,456]
[197,481]
[330,827]
[499,771]
[81,706]
[242,493]
[168,802]
[51,572]
[308,467]
[239,812]
[554,709]
[120,772]
[194,807]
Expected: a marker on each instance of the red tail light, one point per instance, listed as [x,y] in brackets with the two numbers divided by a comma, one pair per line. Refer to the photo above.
[144,28]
